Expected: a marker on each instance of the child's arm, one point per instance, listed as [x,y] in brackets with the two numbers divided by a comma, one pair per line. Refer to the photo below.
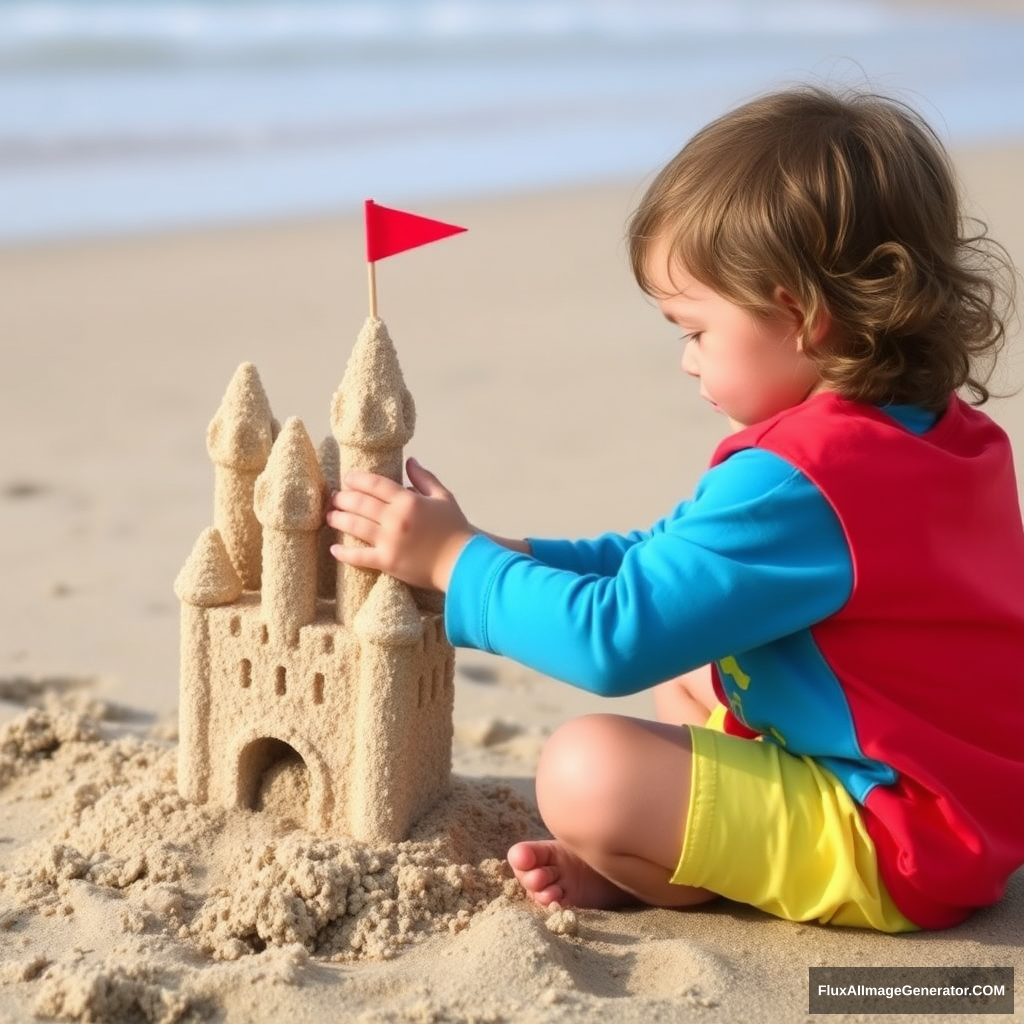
[600,555]
[522,546]
[758,554]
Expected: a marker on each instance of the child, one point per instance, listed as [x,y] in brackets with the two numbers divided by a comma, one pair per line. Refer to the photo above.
[851,565]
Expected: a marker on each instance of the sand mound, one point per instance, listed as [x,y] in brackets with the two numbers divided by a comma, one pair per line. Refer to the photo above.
[108,844]
[122,903]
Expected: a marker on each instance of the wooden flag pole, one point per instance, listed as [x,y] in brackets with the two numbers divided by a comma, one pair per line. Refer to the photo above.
[371,273]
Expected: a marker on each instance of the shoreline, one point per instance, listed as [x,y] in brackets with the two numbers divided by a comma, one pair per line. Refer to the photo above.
[975,154]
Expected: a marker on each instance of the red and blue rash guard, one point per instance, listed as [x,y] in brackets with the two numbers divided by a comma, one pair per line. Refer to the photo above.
[908,690]
[925,722]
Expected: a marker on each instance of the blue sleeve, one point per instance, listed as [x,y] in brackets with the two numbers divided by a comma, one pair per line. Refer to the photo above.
[757,554]
[602,555]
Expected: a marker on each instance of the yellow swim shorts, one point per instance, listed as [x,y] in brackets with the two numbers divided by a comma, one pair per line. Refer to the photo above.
[779,832]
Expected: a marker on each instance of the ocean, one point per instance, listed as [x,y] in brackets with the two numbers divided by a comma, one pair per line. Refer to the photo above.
[127,116]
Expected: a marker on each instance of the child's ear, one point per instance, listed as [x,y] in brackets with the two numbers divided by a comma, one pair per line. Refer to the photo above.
[807,333]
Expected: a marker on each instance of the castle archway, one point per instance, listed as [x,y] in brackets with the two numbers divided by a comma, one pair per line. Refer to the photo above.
[274,778]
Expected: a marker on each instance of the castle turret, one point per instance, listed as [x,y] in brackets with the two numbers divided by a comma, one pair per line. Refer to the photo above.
[389,627]
[289,500]
[327,570]
[239,439]
[207,580]
[372,417]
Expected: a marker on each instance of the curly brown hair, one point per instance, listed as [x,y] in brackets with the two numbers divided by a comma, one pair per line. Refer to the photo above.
[848,202]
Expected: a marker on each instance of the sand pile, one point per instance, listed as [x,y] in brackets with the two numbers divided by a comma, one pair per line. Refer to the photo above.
[105,841]
[121,903]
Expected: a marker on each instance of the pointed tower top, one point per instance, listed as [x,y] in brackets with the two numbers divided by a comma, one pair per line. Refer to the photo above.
[290,492]
[208,578]
[372,408]
[242,431]
[389,616]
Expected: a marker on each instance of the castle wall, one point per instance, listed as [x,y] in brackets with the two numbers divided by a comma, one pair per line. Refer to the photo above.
[309,697]
[194,711]
[303,695]
[432,718]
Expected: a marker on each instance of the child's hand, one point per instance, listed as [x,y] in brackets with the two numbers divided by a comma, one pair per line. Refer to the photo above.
[415,534]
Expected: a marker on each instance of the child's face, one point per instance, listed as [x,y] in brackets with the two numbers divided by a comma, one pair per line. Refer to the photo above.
[749,369]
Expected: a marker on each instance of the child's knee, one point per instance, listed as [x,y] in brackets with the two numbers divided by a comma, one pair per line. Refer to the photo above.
[580,776]
[569,755]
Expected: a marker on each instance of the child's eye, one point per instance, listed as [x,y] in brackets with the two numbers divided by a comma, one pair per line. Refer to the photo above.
[694,337]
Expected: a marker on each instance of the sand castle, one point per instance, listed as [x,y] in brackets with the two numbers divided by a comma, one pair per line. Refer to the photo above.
[287,654]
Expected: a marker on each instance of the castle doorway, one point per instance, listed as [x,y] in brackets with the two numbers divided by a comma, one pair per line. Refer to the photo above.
[274,779]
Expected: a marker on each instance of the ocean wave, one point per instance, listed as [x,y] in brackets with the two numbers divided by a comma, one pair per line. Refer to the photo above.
[81,33]
[25,153]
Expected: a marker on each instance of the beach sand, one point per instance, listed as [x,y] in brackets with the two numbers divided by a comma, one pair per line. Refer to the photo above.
[549,401]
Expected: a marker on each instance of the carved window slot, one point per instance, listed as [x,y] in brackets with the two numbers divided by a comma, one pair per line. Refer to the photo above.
[318,688]
[280,687]
[245,673]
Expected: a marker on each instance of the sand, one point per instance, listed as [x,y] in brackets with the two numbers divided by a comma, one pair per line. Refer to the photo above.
[548,400]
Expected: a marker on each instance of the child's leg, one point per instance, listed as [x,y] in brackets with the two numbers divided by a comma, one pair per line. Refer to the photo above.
[614,792]
[687,699]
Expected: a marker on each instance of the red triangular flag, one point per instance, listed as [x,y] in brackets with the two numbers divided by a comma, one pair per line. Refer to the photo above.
[392,231]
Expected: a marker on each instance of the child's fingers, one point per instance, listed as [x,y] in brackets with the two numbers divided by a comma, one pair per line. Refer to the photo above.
[357,503]
[361,558]
[377,486]
[356,526]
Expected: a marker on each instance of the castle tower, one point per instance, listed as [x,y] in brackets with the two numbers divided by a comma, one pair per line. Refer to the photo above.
[289,503]
[327,574]
[388,627]
[372,417]
[207,580]
[239,439]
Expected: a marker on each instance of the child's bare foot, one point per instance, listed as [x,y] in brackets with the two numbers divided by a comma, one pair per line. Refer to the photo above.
[552,874]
